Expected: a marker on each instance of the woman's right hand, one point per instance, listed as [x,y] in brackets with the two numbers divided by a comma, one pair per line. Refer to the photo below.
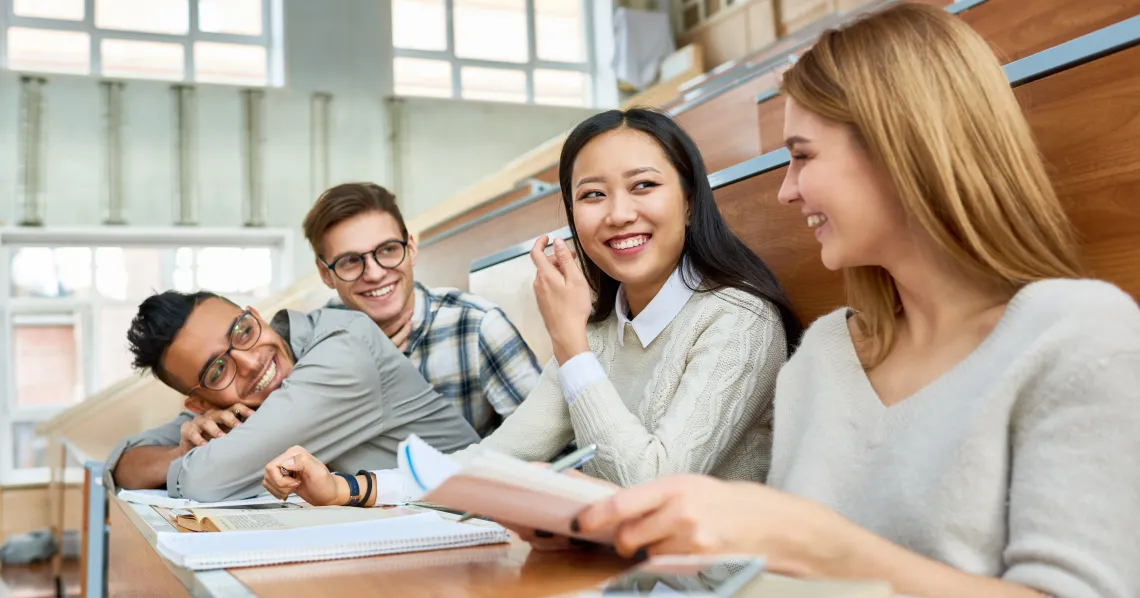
[298,472]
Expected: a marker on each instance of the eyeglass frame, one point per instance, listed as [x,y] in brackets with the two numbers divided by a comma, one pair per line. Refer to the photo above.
[226,354]
[332,267]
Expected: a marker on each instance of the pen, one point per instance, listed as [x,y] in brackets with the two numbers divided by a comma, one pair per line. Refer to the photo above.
[574,460]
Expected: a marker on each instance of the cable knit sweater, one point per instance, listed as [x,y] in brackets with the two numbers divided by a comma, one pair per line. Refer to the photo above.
[1022,462]
[697,399]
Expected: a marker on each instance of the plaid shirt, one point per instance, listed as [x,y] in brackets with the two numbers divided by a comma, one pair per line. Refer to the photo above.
[467,349]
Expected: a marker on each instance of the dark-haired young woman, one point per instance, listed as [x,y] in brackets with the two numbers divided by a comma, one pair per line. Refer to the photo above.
[667,339]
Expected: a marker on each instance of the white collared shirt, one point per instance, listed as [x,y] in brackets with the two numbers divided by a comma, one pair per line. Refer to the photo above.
[584,369]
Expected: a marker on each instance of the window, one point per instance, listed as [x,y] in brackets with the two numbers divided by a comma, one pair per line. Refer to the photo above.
[497,50]
[205,41]
[69,298]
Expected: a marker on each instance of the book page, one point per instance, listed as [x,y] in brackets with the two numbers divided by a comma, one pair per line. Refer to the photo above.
[159,498]
[230,520]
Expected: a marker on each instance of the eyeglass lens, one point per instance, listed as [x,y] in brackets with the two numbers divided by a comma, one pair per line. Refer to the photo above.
[351,267]
[244,335]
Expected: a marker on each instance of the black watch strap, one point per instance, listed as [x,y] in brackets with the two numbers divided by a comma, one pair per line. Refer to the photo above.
[353,489]
[367,486]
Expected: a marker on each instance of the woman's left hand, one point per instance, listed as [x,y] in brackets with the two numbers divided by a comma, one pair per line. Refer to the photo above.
[564,298]
[694,514]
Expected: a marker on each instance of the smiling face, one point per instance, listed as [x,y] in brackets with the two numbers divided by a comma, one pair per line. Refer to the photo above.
[381,293]
[629,209]
[844,197]
[205,336]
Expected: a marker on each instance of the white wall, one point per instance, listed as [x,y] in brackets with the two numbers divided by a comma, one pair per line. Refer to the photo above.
[342,47]
[445,146]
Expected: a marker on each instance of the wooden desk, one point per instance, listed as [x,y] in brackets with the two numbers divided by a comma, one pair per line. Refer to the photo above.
[501,571]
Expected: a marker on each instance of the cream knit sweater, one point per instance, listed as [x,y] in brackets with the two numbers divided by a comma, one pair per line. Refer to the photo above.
[697,399]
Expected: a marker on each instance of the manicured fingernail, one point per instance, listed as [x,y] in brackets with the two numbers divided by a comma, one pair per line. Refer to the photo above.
[586,544]
[558,243]
[542,534]
[574,527]
[290,461]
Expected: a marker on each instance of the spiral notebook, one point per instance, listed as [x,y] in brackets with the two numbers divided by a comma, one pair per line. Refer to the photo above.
[424,531]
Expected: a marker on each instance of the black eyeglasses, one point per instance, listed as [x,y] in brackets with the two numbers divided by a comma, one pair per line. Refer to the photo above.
[350,267]
[220,373]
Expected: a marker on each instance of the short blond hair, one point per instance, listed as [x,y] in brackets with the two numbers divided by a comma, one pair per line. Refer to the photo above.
[927,98]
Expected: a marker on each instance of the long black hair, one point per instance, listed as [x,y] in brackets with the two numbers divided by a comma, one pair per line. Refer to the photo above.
[711,249]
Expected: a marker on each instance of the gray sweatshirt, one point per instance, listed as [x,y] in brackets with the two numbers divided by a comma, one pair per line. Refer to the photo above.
[1022,462]
[350,399]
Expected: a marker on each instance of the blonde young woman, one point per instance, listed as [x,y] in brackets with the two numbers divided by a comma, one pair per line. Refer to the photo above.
[970,426]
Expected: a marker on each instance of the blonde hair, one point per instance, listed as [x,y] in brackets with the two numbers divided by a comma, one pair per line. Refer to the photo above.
[928,100]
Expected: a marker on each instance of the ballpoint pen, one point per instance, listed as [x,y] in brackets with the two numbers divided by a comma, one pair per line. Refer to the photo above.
[572,461]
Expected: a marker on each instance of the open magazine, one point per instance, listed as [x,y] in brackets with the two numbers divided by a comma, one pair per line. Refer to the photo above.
[506,489]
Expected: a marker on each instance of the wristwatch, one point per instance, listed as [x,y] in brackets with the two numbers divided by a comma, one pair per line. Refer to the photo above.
[353,489]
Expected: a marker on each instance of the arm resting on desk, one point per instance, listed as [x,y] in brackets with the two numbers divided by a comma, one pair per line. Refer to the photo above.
[141,461]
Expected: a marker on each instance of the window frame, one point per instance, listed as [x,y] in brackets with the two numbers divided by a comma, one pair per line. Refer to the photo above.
[279,241]
[270,39]
[587,67]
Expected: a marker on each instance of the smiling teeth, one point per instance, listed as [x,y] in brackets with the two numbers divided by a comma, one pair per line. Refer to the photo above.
[267,377]
[816,220]
[629,242]
[380,292]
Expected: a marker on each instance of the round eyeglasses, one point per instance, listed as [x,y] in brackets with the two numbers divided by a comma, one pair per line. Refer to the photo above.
[222,370]
[387,255]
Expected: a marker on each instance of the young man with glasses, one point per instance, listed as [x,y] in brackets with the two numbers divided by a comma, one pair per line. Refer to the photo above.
[328,380]
[464,345]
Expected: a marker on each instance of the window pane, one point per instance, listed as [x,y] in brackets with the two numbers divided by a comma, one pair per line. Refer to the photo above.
[47,272]
[257,272]
[216,271]
[150,16]
[498,85]
[128,274]
[229,63]
[420,77]
[559,34]
[563,88]
[46,360]
[239,17]
[29,449]
[49,50]
[111,344]
[70,10]
[491,30]
[419,24]
[142,60]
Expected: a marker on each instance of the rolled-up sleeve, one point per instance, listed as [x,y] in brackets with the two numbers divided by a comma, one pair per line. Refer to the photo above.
[168,434]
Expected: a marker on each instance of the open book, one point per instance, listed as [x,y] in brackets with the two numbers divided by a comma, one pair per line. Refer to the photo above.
[424,531]
[268,517]
[503,488]
[159,498]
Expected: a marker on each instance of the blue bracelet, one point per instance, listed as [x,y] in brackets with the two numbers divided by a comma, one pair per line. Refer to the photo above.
[353,489]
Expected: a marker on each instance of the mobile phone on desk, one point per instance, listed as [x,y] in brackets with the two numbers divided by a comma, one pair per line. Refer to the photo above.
[688,576]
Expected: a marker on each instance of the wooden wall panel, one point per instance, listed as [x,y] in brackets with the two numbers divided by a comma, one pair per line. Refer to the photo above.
[480,210]
[1017,29]
[448,262]
[134,568]
[780,236]
[1087,124]
[25,509]
[770,115]
[724,128]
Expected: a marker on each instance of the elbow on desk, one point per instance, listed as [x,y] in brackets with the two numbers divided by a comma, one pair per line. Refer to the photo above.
[207,486]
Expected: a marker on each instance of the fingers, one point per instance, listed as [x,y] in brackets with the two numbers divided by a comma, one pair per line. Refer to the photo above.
[567,260]
[192,435]
[627,504]
[539,257]
[242,411]
[658,529]
[228,419]
[210,429]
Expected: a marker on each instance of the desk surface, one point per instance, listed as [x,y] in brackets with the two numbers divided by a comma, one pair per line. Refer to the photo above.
[502,571]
